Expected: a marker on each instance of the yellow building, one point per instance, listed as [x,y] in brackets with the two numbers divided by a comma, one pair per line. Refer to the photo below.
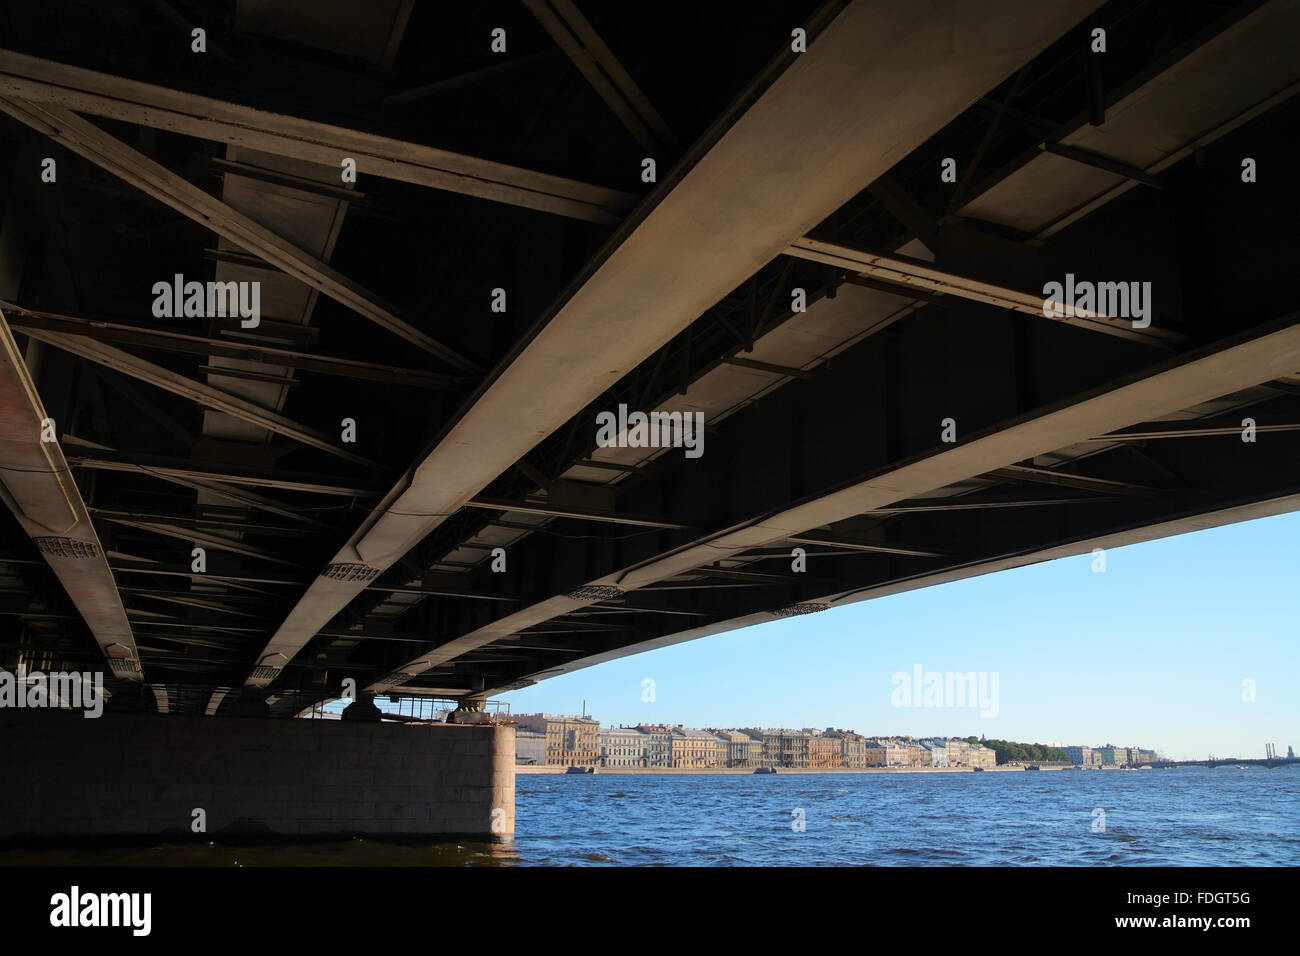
[570,741]
[693,749]
[981,756]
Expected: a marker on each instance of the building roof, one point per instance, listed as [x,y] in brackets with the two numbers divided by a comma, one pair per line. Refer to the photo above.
[691,732]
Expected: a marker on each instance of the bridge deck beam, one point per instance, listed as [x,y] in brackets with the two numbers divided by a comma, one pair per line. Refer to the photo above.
[712,230]
[1177,384]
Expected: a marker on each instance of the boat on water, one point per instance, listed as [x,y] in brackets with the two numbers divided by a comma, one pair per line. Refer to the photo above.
[764,770]
[978,769]
[576,769]
[1033,766]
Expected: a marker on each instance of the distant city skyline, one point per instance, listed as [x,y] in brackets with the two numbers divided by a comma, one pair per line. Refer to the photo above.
[1154,651]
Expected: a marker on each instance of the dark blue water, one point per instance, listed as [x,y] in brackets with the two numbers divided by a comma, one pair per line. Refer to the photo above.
[1185,817]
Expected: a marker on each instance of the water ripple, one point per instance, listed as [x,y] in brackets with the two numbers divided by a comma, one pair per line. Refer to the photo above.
[1185,817]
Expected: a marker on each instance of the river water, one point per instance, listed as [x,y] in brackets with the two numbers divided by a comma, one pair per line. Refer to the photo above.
[1183,817]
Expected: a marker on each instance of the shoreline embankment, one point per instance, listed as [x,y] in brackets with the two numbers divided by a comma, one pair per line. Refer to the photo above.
[535,769]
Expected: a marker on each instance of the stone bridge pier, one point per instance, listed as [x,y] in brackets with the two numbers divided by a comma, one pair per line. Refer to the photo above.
[174,777]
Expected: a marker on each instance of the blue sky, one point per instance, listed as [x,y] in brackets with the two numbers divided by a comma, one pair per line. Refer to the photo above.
[1151,653]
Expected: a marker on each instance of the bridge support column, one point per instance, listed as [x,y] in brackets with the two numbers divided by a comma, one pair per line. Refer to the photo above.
[469,711]
[152,776]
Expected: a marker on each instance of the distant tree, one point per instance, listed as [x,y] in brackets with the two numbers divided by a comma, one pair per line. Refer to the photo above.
[1010,751]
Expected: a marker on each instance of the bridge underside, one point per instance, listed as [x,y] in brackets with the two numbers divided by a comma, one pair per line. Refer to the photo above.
[863,334]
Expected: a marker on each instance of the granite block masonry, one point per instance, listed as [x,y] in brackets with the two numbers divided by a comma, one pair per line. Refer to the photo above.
[145,775]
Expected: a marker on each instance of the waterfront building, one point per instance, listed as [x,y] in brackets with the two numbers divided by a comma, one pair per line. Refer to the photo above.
[570,741]
[853,748]
[1112,756]
[958,752]
[936,753]
[721,749]
[783,748]
[1079,756]
[658,748]
[742,749]
[530,747]
[767,745]
[694,749]
[824,752]
[897,754]
[794,750]
[873,752]
[770,745]
[623,747]
[983,757]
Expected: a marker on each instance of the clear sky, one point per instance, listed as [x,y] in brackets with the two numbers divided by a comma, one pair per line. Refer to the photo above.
[1152,653]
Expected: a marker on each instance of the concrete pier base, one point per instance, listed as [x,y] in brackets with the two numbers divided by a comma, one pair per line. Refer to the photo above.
[158,776]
